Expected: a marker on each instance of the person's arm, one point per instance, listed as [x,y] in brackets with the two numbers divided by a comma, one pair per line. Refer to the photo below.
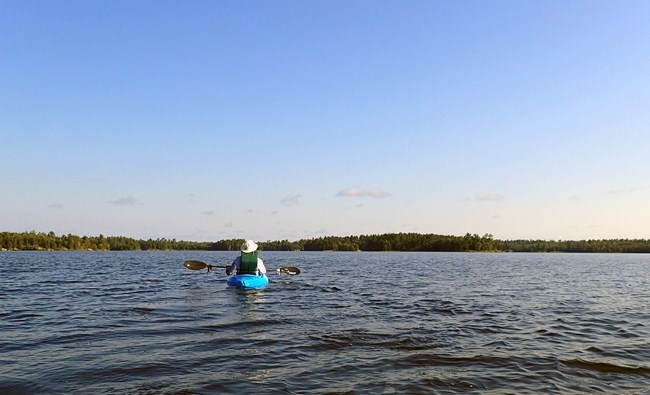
[234,267]
[260,266]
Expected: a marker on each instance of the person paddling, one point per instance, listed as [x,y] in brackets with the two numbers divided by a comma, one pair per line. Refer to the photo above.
[248,262]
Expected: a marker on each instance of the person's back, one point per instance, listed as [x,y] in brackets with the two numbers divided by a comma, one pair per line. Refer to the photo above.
[248,263]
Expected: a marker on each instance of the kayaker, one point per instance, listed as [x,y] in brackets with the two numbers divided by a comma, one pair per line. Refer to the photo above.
[248,262]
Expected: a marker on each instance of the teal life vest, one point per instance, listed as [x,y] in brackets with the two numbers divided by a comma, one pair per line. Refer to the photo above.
[248,263]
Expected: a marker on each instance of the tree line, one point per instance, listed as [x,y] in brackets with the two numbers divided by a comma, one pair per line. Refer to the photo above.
[445,243]
[49,241]
[380,242]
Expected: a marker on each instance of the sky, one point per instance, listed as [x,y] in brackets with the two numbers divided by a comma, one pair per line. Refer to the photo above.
[273,120]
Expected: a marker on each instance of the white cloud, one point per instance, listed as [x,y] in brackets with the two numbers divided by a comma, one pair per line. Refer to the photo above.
[377,193]
[352,191]
[356,192]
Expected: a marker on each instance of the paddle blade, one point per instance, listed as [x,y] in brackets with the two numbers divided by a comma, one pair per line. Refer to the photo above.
[290,270]
[195,265]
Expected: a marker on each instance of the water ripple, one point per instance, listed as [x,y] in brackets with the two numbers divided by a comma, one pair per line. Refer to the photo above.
[604,367]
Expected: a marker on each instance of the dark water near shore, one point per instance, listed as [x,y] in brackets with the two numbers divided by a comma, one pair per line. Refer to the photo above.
[431,323]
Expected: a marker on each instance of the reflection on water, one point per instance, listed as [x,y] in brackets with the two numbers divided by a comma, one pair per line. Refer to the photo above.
[248,303]
[113,322]
[246,298]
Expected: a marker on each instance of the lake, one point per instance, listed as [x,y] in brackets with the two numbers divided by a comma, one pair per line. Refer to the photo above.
[350,323]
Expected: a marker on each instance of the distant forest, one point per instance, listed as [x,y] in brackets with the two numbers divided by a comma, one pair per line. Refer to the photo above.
[383,242]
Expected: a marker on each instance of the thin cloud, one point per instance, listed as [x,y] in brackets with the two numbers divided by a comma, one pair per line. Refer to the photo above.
[208,213]
[489,197]
[377,193]
[356,192]
[319,232]
[55,206]
[622,191]
[290,200]
[126,201]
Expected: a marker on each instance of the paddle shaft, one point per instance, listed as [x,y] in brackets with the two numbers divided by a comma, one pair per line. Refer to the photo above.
[198,265]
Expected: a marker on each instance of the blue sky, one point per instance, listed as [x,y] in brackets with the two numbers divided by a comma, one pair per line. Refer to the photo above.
[206,120]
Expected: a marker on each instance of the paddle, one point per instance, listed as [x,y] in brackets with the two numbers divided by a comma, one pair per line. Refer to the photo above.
[198,265]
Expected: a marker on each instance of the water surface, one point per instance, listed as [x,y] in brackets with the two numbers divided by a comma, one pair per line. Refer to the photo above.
[351,323]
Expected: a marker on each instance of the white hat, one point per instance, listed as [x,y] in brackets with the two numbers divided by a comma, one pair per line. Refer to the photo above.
[248,246]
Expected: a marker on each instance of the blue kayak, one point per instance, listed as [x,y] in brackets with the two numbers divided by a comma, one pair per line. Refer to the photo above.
[248,281]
